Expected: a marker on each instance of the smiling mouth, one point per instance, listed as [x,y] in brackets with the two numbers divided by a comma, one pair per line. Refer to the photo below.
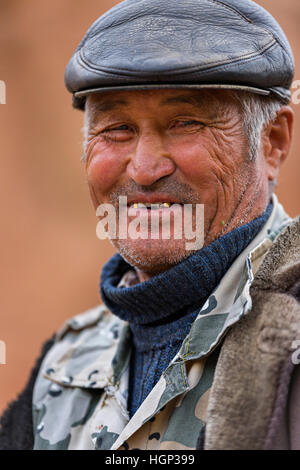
[152,206]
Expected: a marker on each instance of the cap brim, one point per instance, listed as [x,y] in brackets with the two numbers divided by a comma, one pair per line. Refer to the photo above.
[259,91]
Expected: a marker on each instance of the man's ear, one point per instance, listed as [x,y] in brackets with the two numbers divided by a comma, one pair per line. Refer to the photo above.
[277,141]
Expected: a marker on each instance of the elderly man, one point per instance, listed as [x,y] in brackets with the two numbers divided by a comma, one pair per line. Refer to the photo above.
[194,347]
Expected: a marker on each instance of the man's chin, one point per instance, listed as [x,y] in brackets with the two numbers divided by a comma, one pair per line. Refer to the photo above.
[152,256]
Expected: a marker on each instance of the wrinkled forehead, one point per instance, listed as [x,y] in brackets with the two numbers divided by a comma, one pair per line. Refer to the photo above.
[101,103]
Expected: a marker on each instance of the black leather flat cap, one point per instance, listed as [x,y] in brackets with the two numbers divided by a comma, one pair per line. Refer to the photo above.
[148,44]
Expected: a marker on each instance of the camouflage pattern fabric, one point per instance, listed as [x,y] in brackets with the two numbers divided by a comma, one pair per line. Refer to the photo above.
[80,395]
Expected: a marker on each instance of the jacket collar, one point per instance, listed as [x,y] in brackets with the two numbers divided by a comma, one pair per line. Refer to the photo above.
[256,355]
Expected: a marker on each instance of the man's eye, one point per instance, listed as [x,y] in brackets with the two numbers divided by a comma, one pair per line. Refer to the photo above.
[123,127]
[118,133]
[187,123]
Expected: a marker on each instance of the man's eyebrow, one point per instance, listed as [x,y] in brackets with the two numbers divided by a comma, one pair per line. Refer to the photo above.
[107,105]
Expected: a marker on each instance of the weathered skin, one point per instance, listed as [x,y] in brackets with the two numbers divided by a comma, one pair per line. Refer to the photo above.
[184,146]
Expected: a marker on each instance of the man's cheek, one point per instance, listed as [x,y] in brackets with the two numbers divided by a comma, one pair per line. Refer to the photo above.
[219,167]
[198,164]
[103,172]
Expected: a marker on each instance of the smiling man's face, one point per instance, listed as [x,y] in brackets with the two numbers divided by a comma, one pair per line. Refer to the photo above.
[172,146]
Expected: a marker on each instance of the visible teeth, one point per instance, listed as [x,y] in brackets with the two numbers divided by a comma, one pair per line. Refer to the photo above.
[159,205]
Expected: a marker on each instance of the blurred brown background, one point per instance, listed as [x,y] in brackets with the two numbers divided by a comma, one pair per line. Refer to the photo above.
[50,256]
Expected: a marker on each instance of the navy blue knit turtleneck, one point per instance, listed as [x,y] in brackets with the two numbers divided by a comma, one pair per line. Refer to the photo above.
[161,310]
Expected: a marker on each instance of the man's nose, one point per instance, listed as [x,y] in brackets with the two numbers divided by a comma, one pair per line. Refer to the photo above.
[150,160]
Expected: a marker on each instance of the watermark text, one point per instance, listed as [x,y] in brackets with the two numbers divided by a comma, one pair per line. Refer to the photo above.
[2,352]
[2,92]
[152,221]
[296,353]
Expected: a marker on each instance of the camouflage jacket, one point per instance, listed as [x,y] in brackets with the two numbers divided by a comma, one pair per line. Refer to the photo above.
[80,395]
